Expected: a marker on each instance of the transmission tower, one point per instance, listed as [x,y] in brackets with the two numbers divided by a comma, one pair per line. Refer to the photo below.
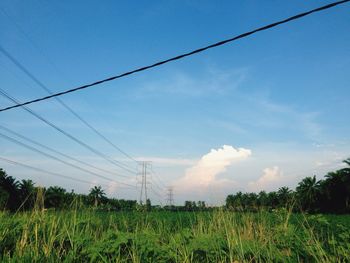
[170,196]
[144,171]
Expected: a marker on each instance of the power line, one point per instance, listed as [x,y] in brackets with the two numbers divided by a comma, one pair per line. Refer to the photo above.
[2,92]
[43,171]
[143,190]
[196,51]
[158,195]
[155,192]
[145,181]
[158,178]
[48,172]
[29,39]
[59,160]
[170,196]
[149,180]
[156,184]
[44,87]
[55,151]
[107,158]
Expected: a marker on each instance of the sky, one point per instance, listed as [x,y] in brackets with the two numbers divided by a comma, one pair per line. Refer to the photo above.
[256,114]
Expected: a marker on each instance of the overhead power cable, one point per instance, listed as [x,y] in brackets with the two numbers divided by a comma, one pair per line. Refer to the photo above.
[44,171]
[196,51]
[60,160]
[51,173]
[56,152]
[154,182]
[159,197]
[107,158]
[63,104]
[158,178]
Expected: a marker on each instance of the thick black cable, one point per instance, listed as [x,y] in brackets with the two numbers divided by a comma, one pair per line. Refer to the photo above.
[199,50]
[63,104]
[107,158]
[60,160]
[2,92]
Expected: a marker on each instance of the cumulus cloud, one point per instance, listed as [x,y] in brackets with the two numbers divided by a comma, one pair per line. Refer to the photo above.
[271,178]
[204,173]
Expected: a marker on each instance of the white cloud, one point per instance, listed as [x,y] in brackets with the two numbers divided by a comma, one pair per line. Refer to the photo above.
[203,175]
[270,180]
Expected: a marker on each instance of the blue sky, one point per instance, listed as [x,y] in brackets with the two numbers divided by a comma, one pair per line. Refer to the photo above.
[281,94]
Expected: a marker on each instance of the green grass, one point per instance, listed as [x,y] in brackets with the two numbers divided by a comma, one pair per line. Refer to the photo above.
[219,236]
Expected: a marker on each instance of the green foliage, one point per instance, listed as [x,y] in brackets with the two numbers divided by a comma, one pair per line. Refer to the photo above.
[27,193]
[331,195]
[9,189]
[15,196]
[97,196]
[263,230]
[218,236]
[55,197]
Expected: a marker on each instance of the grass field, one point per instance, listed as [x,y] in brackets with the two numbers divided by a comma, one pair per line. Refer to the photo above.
[219,236]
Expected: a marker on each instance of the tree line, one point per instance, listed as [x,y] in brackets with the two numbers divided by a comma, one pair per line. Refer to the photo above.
[24,195]
[329,195]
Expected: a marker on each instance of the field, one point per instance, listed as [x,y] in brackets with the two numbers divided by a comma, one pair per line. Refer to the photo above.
[165,236]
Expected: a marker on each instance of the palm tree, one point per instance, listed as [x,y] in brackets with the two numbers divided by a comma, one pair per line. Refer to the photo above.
[272,199]
[346,182]
[229,201]
[188,206]
[308,191]
[262,199]
[97,194]
[55,197]
[27,193]
[336,188]
[252,200]
[4,196]
[284,195]
[347,161]
[9,186]
[238,201]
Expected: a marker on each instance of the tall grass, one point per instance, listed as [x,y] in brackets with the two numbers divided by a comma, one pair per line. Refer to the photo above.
[87,235]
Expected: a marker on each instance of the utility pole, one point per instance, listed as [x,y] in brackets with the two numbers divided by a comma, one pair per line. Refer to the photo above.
[144,172]
[170,196]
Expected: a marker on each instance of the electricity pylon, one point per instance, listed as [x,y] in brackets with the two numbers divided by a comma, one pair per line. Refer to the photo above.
[144,165]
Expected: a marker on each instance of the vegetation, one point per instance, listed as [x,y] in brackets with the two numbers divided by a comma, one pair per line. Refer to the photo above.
[81,235]
[16,196]
[331,195]
[53,225]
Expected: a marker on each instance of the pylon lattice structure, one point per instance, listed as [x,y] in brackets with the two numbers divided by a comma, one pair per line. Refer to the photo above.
[170,196]
[144,172]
